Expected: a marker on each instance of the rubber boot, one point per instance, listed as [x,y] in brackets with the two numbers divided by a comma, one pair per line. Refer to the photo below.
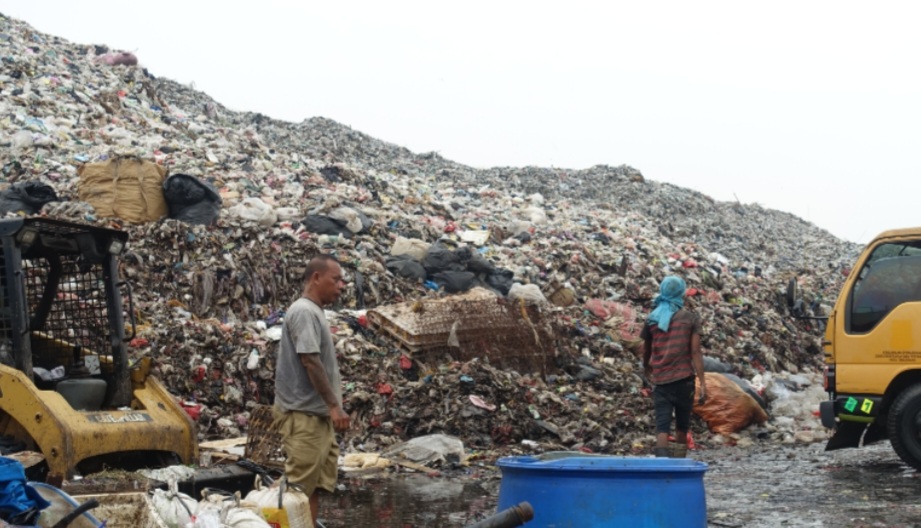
[660,452]
[680,451]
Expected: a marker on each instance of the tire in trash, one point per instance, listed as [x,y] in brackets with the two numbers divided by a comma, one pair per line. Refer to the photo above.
[904,427]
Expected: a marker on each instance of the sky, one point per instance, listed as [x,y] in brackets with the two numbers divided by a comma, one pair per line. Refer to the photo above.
[813,108]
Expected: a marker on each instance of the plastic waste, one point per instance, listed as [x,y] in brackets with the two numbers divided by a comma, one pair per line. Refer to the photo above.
[254,210]
[409,246]
[474,261]
[283,503]
[191,200]
[727,409]
[453,340]
[19,503]
[21,140]
[26,197]
[477,237]
[439,258]
[481,403]
[455,281]
[714,365]
[501,280]
[429,449]
[324,225]
[253,362]
[536,215]
[176,473]
[347,217]
[363,461]
[407,267]
[176,509]
[529,293]
[747,387]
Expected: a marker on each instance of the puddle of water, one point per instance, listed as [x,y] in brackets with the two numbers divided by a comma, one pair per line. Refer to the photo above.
[408,501]
[762,487]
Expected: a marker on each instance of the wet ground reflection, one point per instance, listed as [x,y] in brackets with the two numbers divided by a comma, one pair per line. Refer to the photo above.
[409,501]
[761,486]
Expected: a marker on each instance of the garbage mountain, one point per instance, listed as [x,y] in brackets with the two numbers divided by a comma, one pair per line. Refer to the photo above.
[209,296]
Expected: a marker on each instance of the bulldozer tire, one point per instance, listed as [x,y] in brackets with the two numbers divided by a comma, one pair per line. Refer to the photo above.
[904,426]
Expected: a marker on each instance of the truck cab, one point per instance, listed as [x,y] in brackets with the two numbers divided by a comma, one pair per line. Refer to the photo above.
[872,349]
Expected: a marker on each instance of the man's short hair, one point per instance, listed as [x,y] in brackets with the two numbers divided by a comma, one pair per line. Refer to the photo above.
[319,264]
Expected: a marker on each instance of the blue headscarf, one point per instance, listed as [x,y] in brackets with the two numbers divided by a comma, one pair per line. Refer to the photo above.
[669,301]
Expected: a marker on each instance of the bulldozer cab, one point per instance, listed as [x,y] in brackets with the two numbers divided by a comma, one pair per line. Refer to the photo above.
[60,304]
[66,386]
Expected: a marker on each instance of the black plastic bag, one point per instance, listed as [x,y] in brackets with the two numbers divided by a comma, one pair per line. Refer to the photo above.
[473,261]
[406,267]
[324,225]
[501,280]
[28,197]
[439,258]
[191,200]
[455,281]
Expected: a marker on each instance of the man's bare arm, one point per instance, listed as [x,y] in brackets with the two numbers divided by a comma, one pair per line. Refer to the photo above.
[320,381]
[318,378]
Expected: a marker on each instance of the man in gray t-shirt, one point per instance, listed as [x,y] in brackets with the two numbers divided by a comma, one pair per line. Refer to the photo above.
[308,390]
[305,332]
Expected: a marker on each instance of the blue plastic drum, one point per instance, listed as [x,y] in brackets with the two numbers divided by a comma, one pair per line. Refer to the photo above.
[576,490]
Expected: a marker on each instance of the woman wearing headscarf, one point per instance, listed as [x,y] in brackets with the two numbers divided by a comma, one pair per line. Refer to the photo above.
[671,357]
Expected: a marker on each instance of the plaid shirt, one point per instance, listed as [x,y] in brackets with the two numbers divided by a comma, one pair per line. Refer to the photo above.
[671,351]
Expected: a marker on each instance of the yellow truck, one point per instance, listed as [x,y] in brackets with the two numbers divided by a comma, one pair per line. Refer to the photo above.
[872,349]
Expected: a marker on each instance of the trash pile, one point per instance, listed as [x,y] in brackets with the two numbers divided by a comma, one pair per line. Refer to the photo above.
[582,250]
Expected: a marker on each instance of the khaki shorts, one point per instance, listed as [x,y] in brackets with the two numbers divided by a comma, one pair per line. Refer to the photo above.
[311,448]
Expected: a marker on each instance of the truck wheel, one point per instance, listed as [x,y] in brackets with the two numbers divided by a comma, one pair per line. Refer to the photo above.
[904,426]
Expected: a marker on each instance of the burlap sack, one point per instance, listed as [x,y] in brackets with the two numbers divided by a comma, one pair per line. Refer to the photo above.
[124,187]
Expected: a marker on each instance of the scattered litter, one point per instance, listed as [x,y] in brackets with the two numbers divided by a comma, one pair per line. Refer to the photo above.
[429,449]
[169,474]
[210,290]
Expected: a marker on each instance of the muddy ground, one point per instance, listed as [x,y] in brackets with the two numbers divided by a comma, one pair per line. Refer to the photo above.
[759,486]
[805,486]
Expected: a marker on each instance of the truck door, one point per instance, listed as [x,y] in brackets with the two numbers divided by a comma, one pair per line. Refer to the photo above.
[880,326]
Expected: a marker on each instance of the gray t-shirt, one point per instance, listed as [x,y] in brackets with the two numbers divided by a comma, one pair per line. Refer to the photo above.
[305,331]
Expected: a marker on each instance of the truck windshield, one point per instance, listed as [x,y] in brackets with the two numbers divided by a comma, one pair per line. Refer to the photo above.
[890,277]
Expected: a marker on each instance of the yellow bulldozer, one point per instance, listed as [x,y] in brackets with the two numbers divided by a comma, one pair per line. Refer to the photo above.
[67,388]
